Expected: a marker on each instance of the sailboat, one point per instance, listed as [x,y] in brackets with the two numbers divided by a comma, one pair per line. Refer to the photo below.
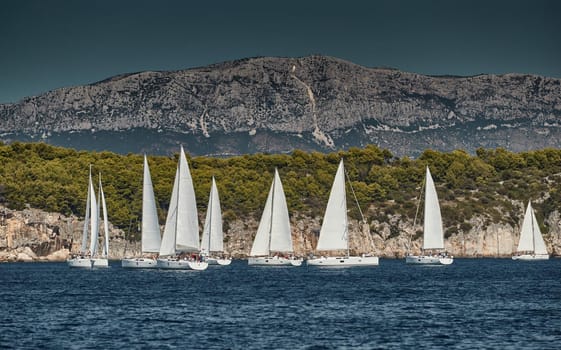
[150,226]
[213,236]
[101,260]
[181,233]
[433,234]
[334,233]
[531,245]
[88,258]
[273,234]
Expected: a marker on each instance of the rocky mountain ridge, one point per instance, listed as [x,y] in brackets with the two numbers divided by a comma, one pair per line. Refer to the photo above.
[275,105]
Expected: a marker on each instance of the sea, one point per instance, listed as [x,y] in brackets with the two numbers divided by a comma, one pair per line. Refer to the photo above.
[471,304]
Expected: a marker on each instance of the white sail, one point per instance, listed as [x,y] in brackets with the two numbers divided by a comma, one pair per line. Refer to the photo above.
[187,234]
[333,233]
[273,233]
[105,221]
[539,244]
[281,236]
[94,217]
[151,240]
[433,237]
[84,247]
[531,239]
[167,247]
[181,233]
[213,237]
[261,242]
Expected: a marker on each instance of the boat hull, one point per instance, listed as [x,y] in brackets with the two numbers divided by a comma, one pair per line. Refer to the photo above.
[218,261]
[428,260]
[273,261]
[344,261]
[531,257]
[198,265]
[170,264]
[139,263]
[84,263]
[100,262]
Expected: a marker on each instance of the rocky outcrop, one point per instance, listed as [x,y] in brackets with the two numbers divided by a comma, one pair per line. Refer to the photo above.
[32,235]
[35,235]
[279,104]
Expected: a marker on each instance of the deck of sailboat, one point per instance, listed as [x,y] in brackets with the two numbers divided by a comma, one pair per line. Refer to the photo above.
[273,261]
[344,261]
[428,260]
[530,257]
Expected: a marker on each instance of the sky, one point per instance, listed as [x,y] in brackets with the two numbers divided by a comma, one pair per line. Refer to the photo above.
[48,44]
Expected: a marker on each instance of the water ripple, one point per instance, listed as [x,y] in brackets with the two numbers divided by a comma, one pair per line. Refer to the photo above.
[473,304]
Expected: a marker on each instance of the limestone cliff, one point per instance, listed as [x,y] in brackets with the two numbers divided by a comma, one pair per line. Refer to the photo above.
[34,235]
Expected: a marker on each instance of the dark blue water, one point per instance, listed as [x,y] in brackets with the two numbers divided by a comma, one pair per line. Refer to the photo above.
[472,304]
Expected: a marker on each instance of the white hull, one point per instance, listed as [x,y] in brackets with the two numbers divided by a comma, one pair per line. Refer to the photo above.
[218,261]
[531,257]
[198,265]
[273,261]
[296,262]
[171,264]
[344,261]
[85,263]
[100,262]
[428,260]
[139,263]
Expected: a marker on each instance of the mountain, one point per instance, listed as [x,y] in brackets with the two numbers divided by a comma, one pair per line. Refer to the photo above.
[280,104]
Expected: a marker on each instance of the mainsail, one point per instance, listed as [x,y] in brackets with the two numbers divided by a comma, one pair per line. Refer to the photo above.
[151,240]
[94,219]
[105,220]
[334,230]
[433,237]
[531,239]
[273,233]
[213,236]
[181,233]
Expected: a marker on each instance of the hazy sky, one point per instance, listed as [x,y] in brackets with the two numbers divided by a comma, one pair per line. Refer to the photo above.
[47,44]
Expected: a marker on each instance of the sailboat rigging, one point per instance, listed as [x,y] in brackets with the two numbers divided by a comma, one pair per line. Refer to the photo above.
[90,258]
[181,232]
[531,245]
[433,234]
[212,242]
[150,229]
[334,233]
[274,233]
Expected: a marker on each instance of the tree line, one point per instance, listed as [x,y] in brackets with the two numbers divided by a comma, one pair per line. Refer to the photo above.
[490,183]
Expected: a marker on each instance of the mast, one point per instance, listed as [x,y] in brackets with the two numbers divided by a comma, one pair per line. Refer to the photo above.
[84,246]
[359,210]
[151,239]
[98,213]
[177,199]
[210,215]
[105,221]
[272,210]
[416,215]
[94,217]
[533,234]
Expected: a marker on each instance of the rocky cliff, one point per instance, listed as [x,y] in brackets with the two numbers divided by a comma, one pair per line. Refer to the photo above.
[34,235]
[279,104]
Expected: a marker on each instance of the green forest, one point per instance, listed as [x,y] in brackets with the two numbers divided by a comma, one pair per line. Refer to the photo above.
[55,179]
